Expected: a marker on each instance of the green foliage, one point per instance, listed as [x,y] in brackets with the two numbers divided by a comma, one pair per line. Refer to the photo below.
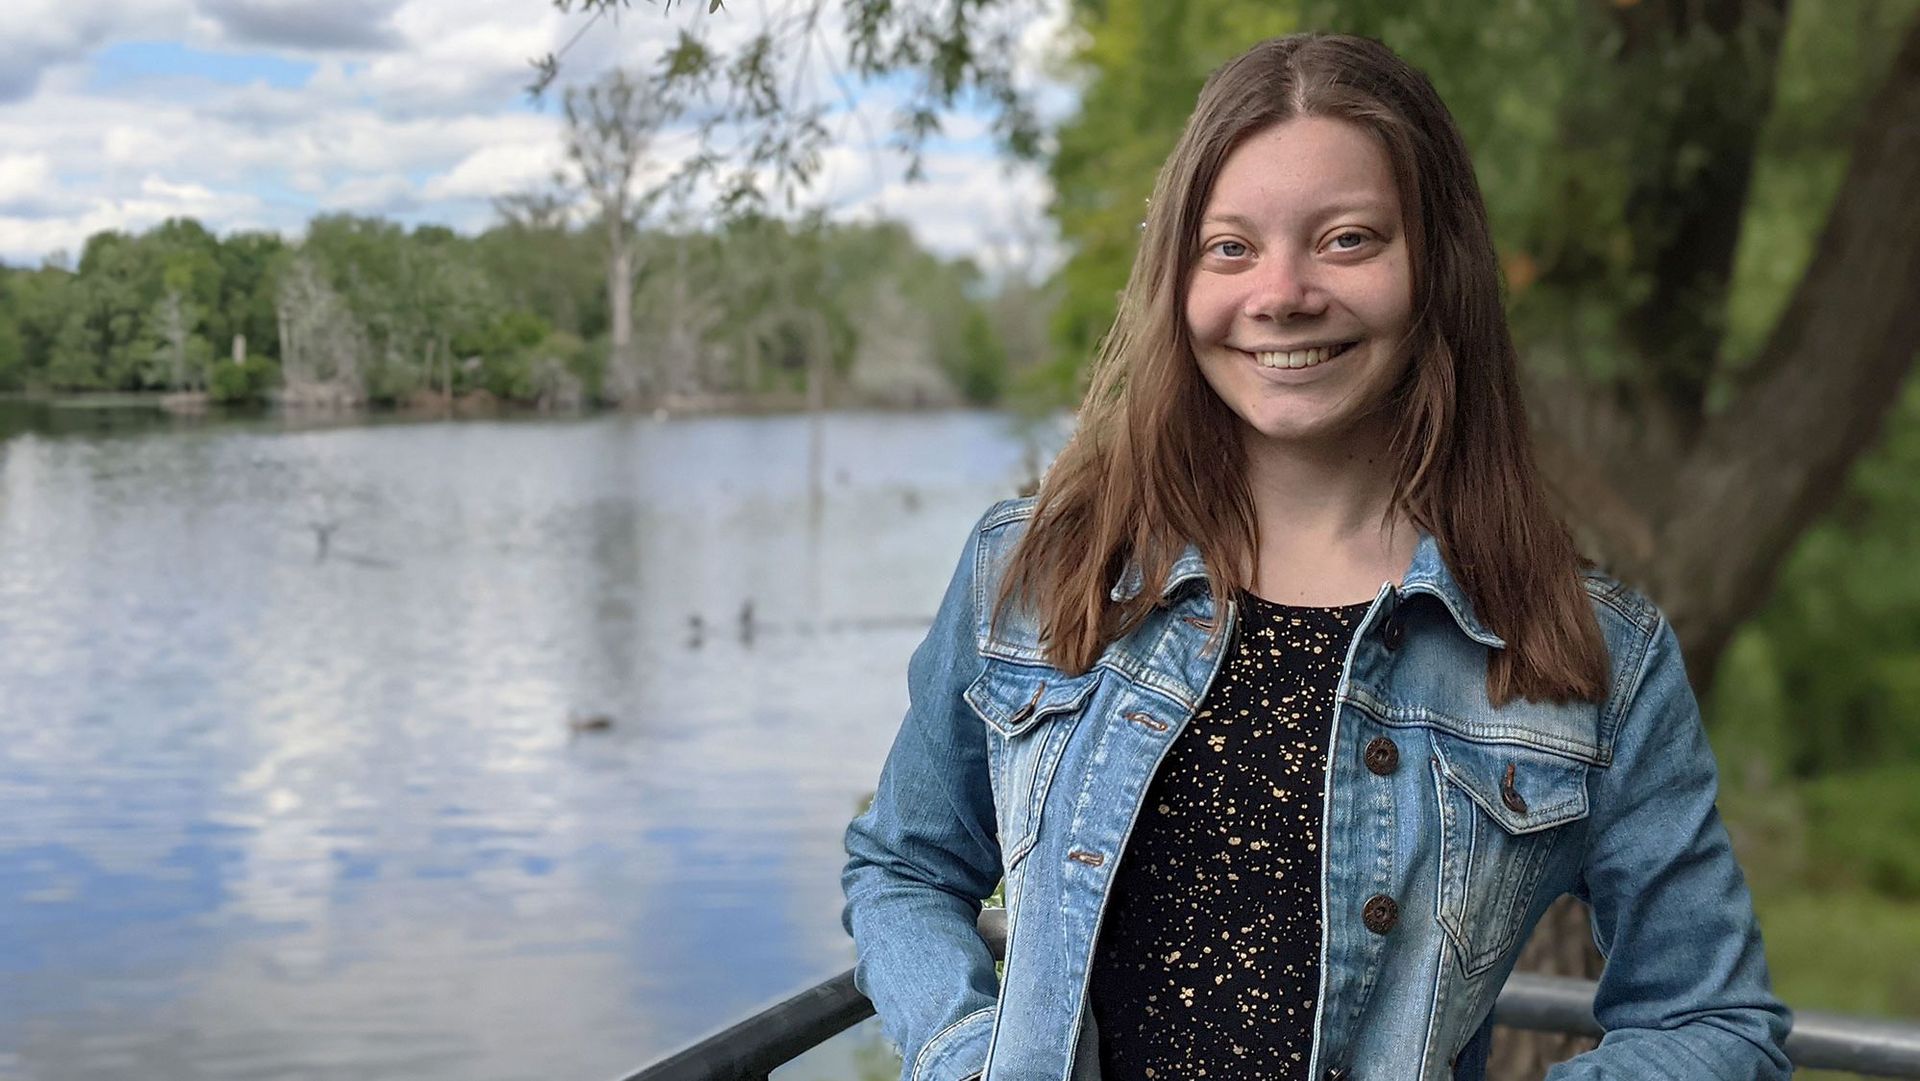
[1827,676]
[762,131]
[505,350]
[1842,950]
[1830,61]
[519,311]
[979,365]
[1864,827]
[246,383]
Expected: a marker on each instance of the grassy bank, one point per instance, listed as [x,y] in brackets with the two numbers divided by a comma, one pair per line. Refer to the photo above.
[1835,868]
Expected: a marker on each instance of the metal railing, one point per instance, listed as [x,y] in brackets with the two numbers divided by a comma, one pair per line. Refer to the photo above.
[752,1048]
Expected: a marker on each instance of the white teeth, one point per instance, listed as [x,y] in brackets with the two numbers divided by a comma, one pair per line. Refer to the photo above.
[1301,358]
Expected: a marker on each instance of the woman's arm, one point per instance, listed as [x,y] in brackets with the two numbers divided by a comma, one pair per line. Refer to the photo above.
[925,853]
[1685,992]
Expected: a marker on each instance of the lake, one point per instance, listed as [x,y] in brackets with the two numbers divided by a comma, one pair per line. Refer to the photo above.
[289,787]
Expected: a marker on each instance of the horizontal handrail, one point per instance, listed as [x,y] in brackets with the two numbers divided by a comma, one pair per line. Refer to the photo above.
[751,1049]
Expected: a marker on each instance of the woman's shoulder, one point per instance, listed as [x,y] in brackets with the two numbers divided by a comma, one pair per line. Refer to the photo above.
[1011,630]
[1643,648]
[1008,515]
[997,532]
[1616,602]
[1630,622]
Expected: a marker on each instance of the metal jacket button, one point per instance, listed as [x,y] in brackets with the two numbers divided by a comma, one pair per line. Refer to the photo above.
[1510,795]
[1382,756]
[1026,711]
[1394,631]
[1380,913]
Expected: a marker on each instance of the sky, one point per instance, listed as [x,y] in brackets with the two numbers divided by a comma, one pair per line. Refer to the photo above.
[260,114]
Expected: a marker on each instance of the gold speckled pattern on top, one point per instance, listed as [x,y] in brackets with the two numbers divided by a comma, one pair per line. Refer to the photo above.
[1208,959]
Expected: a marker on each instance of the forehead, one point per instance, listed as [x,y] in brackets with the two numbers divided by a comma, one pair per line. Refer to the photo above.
[1305,167]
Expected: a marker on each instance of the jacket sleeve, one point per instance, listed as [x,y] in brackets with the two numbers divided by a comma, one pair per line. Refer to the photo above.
[925,853]
[1685,993]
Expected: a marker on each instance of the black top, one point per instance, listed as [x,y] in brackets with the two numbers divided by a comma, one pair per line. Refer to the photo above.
[1208,963]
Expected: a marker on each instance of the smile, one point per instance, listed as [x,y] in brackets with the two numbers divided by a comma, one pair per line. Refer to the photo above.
[1301,358]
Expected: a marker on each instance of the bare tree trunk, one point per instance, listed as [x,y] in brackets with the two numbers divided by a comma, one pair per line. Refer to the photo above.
[623,382]
[432,362]
[173,328]
[610,125]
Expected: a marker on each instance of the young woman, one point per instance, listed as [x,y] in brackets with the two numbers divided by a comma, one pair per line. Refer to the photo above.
[1287,707]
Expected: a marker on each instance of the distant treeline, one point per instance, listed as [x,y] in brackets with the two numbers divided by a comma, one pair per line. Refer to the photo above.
[367,311]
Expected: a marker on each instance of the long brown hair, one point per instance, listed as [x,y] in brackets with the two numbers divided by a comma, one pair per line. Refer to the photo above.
[1156,461]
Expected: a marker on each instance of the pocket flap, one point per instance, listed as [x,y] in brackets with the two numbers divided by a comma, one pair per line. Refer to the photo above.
[1522,789]
[1012,698]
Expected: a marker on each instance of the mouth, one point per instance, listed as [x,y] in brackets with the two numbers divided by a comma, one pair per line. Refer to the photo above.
[1301,358]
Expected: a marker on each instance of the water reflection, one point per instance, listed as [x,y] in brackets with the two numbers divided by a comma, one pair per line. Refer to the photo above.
[289,786]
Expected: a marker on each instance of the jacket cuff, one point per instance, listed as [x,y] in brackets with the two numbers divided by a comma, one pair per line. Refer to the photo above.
[957,1051]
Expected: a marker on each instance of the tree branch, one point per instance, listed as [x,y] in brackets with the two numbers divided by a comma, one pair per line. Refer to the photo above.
[1710,67]
[1820,391]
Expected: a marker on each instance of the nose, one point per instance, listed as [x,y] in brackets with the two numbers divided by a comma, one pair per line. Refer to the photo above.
[1282,287]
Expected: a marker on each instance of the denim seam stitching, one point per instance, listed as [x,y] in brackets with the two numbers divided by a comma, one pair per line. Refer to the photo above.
[920,1060]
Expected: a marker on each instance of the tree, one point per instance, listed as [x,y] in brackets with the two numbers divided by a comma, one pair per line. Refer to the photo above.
[762,118]
[610,127]
[539,262]
[683,306]
[322,344]
[181,353]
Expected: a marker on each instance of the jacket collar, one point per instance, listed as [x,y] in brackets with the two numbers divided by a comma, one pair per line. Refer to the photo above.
[1427,573]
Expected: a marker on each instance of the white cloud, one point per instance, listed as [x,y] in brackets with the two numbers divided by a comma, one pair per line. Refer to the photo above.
[415,108]
[27,240]
[24,178]
[498,169]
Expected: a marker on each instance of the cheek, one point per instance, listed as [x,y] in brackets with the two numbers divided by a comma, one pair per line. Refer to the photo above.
[1390,301]
[1209,311]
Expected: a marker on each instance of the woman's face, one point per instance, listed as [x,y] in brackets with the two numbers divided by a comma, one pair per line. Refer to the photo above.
[1302,290]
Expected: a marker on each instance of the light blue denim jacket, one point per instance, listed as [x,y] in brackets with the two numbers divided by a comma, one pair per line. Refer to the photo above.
[1005,767]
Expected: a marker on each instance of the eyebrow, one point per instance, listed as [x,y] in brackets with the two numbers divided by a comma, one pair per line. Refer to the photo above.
[1333,210]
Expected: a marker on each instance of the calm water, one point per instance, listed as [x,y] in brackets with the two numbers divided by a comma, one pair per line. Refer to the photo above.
[287,787]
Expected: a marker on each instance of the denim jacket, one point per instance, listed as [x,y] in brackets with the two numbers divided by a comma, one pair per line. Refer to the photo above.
[1443,846]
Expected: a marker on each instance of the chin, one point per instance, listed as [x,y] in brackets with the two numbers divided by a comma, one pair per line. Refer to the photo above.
[1295,429]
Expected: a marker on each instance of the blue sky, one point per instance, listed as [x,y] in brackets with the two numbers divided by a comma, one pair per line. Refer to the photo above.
[124,65]
[258,114]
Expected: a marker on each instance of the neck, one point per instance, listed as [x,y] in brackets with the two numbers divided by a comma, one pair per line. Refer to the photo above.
[1336,492]
[1325,518]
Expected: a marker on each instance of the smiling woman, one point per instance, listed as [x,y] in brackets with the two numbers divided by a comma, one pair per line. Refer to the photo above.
[1303,262]
[1288,707]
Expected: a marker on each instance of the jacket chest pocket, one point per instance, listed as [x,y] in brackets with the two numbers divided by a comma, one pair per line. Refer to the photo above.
[1030,712]
[1502,810]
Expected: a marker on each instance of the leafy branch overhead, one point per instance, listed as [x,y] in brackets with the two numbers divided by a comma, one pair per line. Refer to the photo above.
[762,98]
